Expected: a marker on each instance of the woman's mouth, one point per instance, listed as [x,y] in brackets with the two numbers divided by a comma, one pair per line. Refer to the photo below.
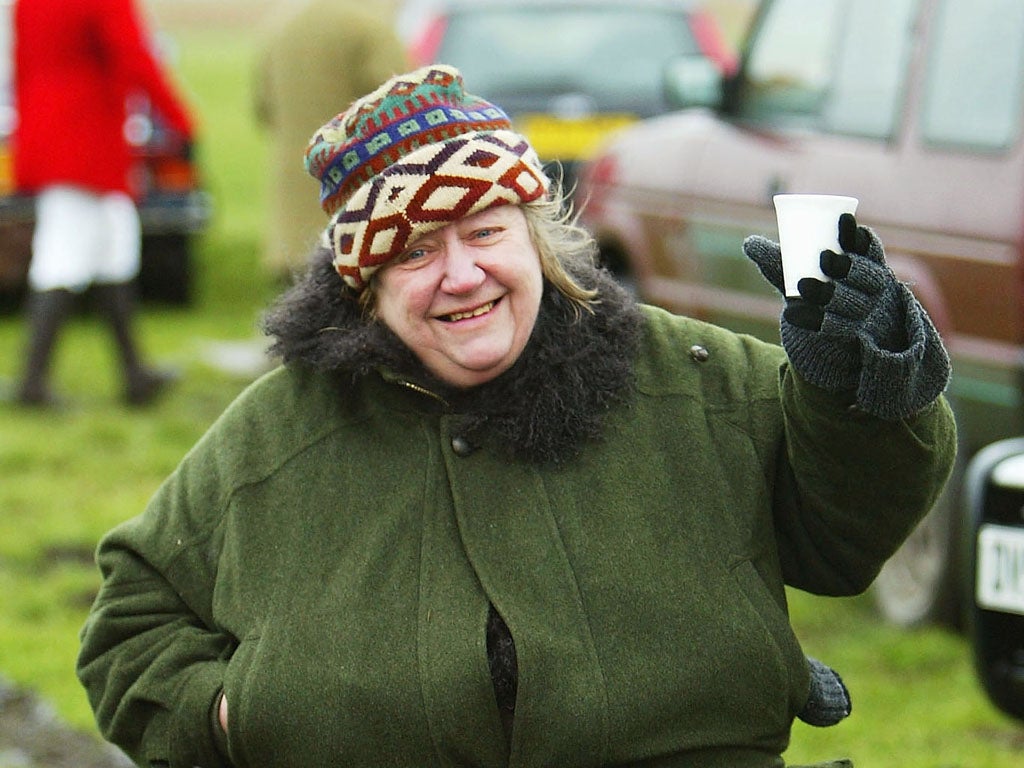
[483,309]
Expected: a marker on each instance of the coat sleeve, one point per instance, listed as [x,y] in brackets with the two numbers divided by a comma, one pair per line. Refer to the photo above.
[152,659]
[850,488]
[124,35]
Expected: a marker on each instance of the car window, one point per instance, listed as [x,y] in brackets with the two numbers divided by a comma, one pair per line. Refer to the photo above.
[832,65]
[615,55]
[973,96]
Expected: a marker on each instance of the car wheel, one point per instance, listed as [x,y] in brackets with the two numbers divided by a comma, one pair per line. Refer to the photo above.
[165,274]
[15,255]
[920,584]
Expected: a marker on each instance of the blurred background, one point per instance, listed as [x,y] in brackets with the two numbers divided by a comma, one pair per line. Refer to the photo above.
[68,475]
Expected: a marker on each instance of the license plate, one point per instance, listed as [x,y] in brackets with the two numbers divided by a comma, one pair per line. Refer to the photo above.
[1000,585]
[557,138]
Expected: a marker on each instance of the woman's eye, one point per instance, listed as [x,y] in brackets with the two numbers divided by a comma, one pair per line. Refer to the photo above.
[415,253]
[481,234]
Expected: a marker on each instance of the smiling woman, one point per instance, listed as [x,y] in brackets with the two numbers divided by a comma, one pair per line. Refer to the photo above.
[491,510]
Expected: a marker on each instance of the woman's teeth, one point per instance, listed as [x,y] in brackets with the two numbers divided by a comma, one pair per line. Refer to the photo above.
[482,310]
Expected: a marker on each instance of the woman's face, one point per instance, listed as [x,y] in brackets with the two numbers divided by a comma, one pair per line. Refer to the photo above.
[465,298]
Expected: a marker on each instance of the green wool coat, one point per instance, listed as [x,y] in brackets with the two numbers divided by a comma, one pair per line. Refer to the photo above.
[327,553]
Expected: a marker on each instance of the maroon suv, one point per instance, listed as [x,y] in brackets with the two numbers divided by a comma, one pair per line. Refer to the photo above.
[913,106]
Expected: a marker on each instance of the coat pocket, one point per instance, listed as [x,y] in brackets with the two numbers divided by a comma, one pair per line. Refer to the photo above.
[236,680]
[789,655]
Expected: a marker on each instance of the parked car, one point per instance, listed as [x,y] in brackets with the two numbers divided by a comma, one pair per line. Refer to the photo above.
[569,72]
[913,106]
[173,208]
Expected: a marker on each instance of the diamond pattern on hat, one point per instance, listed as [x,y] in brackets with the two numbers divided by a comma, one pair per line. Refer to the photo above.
[428,189]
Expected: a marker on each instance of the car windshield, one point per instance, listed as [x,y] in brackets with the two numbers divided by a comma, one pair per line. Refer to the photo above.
[615,55]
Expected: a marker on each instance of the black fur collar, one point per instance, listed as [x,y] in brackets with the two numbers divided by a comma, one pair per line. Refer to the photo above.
[543,409]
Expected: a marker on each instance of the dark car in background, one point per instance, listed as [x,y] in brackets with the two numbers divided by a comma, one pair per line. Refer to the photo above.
[995,623]
[914,106]
[570,72]
[173,208]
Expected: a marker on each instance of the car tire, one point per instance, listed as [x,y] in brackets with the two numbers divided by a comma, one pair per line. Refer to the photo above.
[165,275]
[921,583]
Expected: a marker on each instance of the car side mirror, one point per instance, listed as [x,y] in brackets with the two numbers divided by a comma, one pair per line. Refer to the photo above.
[692,81]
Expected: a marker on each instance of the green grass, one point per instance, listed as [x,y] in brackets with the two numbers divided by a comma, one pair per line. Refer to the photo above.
[67,477]
[916,700]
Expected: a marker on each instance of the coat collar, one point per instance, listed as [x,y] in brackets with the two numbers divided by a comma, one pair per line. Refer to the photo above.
[555,398]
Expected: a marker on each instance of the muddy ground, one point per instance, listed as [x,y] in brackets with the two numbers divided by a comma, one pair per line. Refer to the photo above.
[32,736]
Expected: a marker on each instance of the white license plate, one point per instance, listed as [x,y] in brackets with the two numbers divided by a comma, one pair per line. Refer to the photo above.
[1000,585]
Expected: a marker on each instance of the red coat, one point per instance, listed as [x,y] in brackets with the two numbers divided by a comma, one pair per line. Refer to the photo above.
[74,63]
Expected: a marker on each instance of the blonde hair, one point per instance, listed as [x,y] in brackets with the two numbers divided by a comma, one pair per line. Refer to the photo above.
[561,243]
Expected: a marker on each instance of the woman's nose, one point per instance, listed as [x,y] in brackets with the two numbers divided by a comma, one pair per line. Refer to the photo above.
[462,273]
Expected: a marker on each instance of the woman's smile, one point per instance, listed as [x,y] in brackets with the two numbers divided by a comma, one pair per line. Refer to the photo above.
[483,309]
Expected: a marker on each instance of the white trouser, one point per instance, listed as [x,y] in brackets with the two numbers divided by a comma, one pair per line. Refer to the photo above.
[82,237]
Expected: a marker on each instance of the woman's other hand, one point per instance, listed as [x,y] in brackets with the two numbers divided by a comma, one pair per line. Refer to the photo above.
[222,713]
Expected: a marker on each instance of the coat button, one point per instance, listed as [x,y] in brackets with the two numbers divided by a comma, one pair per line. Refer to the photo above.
[854,411]
[699,354]
[461,446]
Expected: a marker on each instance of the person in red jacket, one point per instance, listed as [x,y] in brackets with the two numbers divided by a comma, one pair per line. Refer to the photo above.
[75,62]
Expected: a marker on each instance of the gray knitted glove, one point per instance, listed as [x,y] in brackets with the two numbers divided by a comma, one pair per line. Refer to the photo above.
[864,333]
[828,701]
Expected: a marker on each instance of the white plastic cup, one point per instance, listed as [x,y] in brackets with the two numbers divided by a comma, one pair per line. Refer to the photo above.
[808,225]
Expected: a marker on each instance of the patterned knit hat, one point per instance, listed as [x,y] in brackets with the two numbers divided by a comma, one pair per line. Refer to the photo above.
[413,156]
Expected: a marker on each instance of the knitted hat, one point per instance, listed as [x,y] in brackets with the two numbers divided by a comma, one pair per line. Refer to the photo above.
[413,156]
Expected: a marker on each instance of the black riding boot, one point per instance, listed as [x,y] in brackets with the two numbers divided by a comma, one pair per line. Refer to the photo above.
[117,302]
[47,311]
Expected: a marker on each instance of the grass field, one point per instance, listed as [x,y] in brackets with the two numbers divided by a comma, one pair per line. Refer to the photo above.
[69,476]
